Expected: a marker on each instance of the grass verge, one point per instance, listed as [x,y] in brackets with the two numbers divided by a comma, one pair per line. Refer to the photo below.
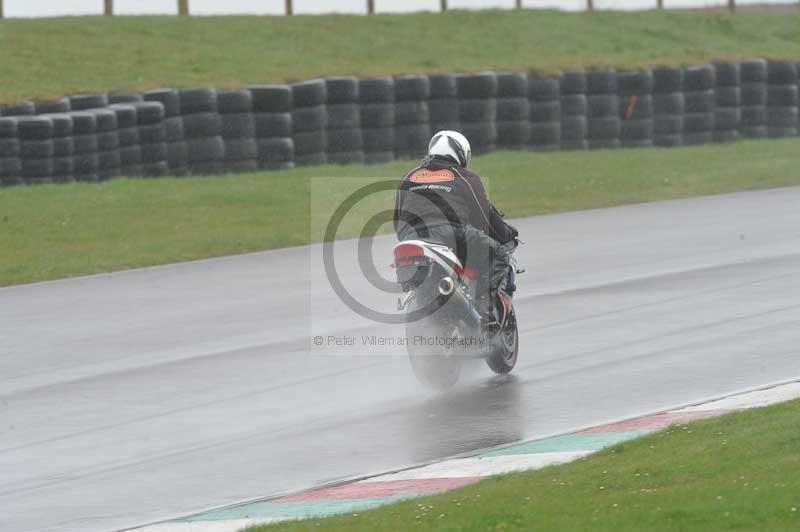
[56,231]
[49,58]
[738,472]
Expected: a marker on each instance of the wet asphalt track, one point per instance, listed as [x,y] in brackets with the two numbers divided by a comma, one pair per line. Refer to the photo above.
[143,395]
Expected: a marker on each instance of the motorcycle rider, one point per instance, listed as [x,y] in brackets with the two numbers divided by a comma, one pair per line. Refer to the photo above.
[442,201]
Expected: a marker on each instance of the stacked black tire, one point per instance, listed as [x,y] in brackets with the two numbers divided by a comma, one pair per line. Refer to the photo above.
[176,146]
[84,102]
[782,116]
[84,141]
[63,148]
[544,114]
[753,74]
[273,120]
[202,128]
[513,111]
[668,106]
[56,106]
[699,103]
[376,99]
[574,106]
[345,144]
[18,109]
[603,110]
[636,108]
[309,120]
[125,97]
[412,129]
[443,105]
[36,148]
[130,153]
[477,109]
[152,138]
[108,157]
[727,102]
[10,163]
[238,131]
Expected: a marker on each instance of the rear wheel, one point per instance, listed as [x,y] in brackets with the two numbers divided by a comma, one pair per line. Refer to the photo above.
[505,346]
[435,366]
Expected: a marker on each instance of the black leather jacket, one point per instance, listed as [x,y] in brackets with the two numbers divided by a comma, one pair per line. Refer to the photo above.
[440,191]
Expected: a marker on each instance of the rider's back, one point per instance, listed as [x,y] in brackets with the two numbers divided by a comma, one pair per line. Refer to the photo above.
[439,191]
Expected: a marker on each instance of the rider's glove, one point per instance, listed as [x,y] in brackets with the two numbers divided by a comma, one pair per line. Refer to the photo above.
[514,231]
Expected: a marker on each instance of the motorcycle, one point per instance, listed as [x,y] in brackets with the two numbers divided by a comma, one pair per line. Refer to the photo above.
[443,326]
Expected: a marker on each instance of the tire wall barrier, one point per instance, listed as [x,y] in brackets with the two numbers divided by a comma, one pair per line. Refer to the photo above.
[412,129]
[343,136]
[347,120]
[176,146]
[699,103]
[602,101]
[727,102]
[151,121]
[546,113]
[309,122]
[477,109]
[513,111]
[272,106]
[443,104]
[668,106]
[376,102]
[782,118]
[202,128]
[130,151]
[574,107]
[238,129]
[84,141]
[753,76]
[636,108]
[108,157]
[36,148]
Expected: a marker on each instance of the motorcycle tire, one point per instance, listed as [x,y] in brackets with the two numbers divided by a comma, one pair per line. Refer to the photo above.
[433,367]
[505,347]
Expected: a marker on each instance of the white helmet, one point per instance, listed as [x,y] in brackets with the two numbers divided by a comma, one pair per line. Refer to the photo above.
[451,144]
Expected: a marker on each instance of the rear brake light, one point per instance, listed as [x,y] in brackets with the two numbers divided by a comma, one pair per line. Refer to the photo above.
[408,250]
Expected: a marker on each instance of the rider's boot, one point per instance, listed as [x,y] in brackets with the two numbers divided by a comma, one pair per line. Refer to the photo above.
[486,309]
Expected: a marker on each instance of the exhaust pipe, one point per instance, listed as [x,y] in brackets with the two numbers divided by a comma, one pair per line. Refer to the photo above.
[446,286]
[457,302]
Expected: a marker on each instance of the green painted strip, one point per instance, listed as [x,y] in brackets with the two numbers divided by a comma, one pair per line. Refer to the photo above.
[296,510]
[569,443]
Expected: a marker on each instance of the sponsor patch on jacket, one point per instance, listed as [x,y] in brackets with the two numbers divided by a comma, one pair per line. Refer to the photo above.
[429,186]
[425,175]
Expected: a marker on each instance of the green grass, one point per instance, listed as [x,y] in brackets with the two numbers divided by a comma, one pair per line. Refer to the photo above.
[739,472]
[52,57]
[56,231]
